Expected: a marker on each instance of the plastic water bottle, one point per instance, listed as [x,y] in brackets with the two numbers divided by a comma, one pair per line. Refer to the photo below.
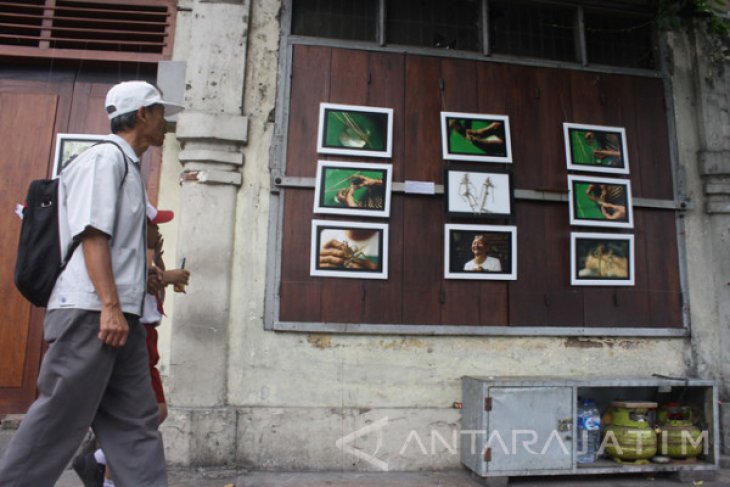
[589,431]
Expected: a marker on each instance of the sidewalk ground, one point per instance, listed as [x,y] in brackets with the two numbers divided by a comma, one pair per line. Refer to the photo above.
[448,478]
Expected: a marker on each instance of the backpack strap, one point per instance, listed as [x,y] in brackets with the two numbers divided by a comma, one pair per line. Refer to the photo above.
[76,242]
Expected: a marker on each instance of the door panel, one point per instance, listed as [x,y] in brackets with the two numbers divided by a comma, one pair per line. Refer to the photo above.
[26,134]
[524,429]
[35,105]
[19,164]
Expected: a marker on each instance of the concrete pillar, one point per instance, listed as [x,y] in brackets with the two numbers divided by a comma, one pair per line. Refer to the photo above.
[713,162]
[211,133]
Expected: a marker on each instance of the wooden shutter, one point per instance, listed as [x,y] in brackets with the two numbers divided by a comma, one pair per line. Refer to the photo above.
[538,100]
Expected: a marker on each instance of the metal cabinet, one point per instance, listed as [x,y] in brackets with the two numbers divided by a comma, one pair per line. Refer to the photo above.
[518,426]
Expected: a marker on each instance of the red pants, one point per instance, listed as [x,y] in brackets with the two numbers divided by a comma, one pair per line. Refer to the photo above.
[154,358]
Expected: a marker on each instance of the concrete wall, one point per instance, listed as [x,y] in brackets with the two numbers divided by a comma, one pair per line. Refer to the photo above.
[306,401]
[701,90]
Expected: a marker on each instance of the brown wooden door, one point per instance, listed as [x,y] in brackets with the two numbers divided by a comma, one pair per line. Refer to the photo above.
[29,113]
[35,105]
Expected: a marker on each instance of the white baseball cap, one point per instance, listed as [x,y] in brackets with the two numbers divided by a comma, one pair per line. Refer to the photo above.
[129,96]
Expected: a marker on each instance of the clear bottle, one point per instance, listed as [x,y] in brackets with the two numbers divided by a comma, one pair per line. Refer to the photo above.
[589,431]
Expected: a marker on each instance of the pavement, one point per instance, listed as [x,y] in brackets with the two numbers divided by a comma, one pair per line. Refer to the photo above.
[447,478]
[232,477]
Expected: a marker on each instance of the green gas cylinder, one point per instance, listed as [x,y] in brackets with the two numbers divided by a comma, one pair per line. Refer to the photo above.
[679,437]
[631,437]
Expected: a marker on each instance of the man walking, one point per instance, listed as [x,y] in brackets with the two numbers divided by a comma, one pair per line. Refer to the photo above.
[95,371]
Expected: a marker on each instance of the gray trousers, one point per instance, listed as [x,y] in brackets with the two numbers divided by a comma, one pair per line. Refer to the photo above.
[83,382]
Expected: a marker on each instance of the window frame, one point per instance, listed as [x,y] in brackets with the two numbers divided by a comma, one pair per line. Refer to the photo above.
[279,183]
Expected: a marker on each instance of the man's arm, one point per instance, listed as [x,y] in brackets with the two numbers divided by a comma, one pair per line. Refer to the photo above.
[113,326]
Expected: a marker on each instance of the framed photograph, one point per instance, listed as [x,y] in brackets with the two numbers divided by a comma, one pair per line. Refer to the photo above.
[349,249]
[353,188]
[68,146]
[601,259]
[600,202]
[596,148]
[486,252]
[475,137]
[353,130]
[477,192]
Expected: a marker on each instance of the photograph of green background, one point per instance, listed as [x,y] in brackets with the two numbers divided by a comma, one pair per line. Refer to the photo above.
[338,179]
[356,130]
[587,209]
[582,149]
[459,144]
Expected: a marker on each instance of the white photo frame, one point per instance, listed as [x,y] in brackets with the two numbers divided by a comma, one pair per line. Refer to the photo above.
[600,202]
[353,188]
[477,192]
[596,148]
[355,130]
[499,242]
[475,137]
[349,249]
[601,259]
[69,146]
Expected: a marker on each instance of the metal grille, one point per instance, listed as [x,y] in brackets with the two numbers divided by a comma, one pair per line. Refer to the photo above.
[534,30]
[101,26]
[338,19]
[617,33]
[617,39]
[434,23]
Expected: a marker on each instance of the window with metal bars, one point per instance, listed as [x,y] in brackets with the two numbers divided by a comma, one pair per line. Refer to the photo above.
[613,33]
[617,39]
[533,30]
[337,19]
[87,29]
[434,23]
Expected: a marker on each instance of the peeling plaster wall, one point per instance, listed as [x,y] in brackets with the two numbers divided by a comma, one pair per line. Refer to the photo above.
[291,397]
[702,107]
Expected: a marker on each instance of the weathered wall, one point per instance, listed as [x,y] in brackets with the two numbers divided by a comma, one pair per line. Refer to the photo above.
[701,100]
[288,398]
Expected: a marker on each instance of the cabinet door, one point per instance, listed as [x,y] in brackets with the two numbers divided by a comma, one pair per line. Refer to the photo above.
[529,429]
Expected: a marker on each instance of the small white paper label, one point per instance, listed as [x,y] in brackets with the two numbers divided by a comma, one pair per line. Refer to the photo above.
[420,187]
[19,210]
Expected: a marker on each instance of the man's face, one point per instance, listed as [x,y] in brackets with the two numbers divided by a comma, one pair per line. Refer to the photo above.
[155,125]
[479,246]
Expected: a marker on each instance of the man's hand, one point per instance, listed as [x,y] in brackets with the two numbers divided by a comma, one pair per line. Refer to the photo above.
[113,327]
[359,181]
[177,277]
[333,254]
[155,282]
[336,254]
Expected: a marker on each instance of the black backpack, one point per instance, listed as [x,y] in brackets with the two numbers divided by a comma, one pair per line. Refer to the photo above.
[39,261]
